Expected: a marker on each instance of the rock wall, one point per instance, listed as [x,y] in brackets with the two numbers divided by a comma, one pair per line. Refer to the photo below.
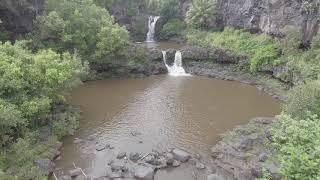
[16,16]
[271,16]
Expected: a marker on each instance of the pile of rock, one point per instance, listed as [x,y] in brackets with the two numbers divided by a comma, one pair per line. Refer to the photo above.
[138,166]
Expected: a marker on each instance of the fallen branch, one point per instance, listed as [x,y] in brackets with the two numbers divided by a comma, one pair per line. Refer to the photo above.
[80,169]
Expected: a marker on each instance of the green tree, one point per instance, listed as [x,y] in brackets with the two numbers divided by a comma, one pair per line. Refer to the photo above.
[202,13]
[78,25]
[29,85]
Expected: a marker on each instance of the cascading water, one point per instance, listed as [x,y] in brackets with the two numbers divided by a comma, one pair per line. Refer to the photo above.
[176,69]
[152,26]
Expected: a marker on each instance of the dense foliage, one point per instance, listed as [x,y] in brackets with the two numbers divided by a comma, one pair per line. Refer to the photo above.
[31,84]
[173,28]
[202,13]
[297,141]
[80,25]
[261,49]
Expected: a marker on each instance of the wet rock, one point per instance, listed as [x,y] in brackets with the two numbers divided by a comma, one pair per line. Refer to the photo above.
[77,141]
[200,165]
[136,133]
[121,155]
[45,165]
[150,159]
[134,156]
[214,177]
[180,155]
[263,157]
[169,158]
[144,173]
[118,166]
[100,147]
[176,163]
[75,172]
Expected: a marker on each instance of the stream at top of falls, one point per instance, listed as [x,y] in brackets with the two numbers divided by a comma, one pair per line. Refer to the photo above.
[157,113]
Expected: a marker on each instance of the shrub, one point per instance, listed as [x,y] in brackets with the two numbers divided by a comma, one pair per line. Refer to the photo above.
[260,49]
[297,142]
[29,84]
[173,28]
[302,99]
[202,13]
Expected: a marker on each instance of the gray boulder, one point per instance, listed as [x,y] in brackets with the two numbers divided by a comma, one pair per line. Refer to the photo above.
[144,173]
[180,155]
[75,172]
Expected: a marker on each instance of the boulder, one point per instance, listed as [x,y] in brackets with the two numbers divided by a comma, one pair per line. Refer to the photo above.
[169,158]
[121,155]
[144,173]
[100,147]
[180,155]
[199,165]
[134,156]
[75,172]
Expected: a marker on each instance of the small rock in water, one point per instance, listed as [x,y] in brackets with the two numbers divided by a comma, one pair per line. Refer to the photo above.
[263,157]
[144,173]
[121,155]
[198,156]
[134,156]
[77,141]
[169,158]
[100,147]
[180,155]
[140,141]
[176,163]
[135,133]
[75,172]
[214,177]
[118,166]
[200,165]
[150,159]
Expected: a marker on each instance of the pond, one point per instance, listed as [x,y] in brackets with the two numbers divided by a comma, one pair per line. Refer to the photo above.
[158,113]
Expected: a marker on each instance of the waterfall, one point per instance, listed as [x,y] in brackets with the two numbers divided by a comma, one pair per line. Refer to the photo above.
[152,26]
[176,69]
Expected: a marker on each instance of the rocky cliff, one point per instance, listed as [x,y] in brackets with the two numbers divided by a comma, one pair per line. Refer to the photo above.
[16,16]
[270,16]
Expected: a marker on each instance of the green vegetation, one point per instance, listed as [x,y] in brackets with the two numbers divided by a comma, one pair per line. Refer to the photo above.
[83,26]
[296,134]
[297,141]
[31,85]
[261,49]
[202,13]
[173,28]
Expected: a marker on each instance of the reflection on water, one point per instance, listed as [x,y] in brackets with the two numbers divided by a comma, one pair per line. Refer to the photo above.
[184,112]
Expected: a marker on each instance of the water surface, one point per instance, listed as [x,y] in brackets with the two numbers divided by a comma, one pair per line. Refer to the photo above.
[185,112]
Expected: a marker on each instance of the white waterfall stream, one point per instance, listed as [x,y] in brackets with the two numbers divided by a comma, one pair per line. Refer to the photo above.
[176,69]
[152,26]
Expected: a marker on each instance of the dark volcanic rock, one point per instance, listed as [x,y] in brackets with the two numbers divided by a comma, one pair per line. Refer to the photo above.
[196,53]
[242,152]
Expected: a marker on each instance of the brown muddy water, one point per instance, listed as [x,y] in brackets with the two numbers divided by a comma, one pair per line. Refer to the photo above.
[184,112]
